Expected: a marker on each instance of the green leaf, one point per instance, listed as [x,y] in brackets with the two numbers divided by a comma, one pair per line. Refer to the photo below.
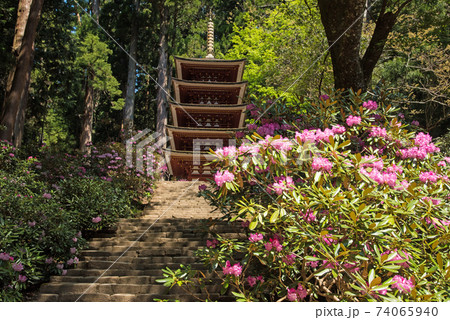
[253,224]
[274,216]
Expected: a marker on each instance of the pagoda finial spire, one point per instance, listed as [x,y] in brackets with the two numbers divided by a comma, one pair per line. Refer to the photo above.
[210,48]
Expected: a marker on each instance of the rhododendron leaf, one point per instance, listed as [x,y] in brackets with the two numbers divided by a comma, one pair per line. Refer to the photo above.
[367,191]
[375,282]
[344,144]
[353,216]
[310,258]
[274,216]
[439,261]
[322,272]
[317,176]
[361,207]
[253,225]
[391,267]
[361,258]
[371,275]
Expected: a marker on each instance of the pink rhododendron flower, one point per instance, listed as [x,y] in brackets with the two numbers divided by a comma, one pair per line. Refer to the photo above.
[402,284]
[428,176]
[47,195]
[212,243]
[353,121]
[378,132]
[226,152]
[338,129]
[321,164]
[96,219]
[282,184]
[309,216]
[31,223]
[252,126]
[273,244]
[328,239]
[5,257]
[324,135]
[49,260]
[415,123]
[289,259]
[371,105]
[306,135]
[324,97]
[283,144]
[22,278]
[251,281]
[442,164]
[69,262]
[64,272]
[297,294]
[234,270]
[221,177]
[255,237]
[17,267]
[73,250]
[202,187]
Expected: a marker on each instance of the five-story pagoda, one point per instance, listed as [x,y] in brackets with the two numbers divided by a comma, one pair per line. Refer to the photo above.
[207,111]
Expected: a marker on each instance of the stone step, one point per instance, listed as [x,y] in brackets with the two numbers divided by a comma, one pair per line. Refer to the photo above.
[105,279]
[138,253]
[126,297]
[99,264]
[158,242]
[113,272]
[110,289]
[146,260]
[150,235]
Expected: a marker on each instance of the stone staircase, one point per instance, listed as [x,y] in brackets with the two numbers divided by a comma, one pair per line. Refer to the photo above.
[123,264]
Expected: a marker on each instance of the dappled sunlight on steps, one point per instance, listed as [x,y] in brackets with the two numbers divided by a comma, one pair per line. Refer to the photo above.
[178,228]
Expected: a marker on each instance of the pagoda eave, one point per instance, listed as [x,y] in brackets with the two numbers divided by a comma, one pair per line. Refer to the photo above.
[209,69]
[193,115]
[214,93]
[201,139]
[189,164]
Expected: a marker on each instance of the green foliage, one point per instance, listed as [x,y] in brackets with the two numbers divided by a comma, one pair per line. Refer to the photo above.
[46,203]
[336,213]
[281,44]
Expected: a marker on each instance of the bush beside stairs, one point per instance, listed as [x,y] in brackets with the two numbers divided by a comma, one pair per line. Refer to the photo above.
[170,241]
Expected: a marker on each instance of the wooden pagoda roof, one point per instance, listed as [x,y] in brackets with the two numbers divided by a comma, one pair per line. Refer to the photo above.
[195,115]
[188,165]
[210,70]
[184,138]
[200,92]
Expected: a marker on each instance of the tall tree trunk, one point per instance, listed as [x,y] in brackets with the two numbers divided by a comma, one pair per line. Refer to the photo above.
[350,70]
[88,116]
[337,16]
[128,109]
[23,12]
[17,96]
[161,98]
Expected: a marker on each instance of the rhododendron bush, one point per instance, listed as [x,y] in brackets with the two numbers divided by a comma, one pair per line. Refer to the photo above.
[354,208]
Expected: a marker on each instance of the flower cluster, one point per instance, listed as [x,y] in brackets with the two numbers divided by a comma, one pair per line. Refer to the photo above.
[321,164]
[234,270]
[297,294]
[222,177]
[281,185]
[402,284]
